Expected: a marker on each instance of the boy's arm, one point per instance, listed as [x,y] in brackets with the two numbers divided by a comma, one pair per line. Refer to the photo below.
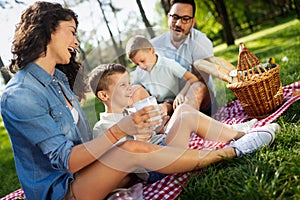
[190,79]
[180,97]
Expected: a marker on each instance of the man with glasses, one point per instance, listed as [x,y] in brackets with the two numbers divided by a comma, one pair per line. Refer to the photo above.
[185,44]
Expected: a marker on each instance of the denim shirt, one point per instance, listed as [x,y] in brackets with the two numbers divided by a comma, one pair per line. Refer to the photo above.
[42,130]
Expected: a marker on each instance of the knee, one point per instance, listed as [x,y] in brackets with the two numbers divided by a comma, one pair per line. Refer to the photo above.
[186,119]
[184,108]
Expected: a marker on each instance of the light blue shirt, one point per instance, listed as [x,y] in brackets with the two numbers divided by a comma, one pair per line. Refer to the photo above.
[196,46]
[163,80]
[42,130]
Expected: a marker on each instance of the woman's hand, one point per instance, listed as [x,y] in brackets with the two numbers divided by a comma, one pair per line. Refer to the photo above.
[142,122]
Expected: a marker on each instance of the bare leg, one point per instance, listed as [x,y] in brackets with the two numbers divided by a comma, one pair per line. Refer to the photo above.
[101,177]
[198,96]
[186,120]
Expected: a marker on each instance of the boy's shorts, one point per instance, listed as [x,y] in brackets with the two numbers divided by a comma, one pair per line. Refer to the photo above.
[156,176]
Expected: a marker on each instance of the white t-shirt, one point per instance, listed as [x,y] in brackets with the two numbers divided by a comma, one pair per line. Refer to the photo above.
[196,46]
[162,81]
[106,121]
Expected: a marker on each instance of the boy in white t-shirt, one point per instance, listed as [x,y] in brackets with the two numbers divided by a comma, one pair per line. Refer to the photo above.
[161,76]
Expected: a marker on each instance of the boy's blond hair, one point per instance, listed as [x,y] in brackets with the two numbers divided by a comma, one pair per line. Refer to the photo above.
[99,78]
[135,44]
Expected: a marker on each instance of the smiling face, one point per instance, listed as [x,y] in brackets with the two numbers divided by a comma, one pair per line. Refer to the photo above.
[180,30]
[145,59]
[63,40]
[118,94]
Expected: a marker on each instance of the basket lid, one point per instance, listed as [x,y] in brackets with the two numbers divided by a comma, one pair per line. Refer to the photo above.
[246,59]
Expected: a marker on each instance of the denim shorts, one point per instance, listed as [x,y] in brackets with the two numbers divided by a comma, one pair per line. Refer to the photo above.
[156,176]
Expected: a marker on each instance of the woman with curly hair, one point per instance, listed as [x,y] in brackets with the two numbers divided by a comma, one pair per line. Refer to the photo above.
[55,155]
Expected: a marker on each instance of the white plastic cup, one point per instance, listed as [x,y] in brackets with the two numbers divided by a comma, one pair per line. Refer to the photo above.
[149,101]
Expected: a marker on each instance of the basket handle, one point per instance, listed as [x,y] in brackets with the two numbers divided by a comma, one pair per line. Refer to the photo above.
[247,62]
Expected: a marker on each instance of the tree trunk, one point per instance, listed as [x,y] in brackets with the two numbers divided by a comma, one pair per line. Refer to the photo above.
[224,19]
[4,72]
[120,55]
[166,5]
[297,8]
[145,19]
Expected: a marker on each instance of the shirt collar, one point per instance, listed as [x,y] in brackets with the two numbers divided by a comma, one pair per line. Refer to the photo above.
[157,61]
[41,75]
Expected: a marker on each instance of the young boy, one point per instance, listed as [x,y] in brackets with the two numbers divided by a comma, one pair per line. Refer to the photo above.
[111,84]
[159,75]
[112,87]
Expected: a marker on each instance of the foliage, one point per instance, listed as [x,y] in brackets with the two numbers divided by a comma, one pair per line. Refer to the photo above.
[92,107]
[270,173]
[245,17]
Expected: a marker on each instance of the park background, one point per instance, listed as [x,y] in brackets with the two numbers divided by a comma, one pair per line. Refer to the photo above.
[269,29]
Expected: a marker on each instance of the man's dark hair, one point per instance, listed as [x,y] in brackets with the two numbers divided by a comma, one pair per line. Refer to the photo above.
[190,2]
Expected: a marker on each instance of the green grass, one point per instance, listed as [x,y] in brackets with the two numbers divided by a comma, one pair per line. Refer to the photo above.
[8,177]
[270,173]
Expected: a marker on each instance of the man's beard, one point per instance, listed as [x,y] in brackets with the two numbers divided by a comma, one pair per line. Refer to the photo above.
[178,35]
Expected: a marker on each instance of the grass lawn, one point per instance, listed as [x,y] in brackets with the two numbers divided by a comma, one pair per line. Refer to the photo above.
[270,173]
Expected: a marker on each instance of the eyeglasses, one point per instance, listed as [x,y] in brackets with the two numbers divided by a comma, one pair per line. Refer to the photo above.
[184,19]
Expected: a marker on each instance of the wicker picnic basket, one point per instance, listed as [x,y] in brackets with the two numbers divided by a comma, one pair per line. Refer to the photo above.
[257,86]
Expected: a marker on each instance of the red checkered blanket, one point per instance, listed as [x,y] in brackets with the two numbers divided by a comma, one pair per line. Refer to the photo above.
[170,187]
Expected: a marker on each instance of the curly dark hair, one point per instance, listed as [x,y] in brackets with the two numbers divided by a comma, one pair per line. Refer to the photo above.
[76,75]
[33,32]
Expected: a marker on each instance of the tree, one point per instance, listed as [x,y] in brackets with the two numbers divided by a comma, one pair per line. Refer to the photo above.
[121,56]
[4,4]
[166,5]
[219,11]
[4,72]
[145,19]
[297,7]
[224,20]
